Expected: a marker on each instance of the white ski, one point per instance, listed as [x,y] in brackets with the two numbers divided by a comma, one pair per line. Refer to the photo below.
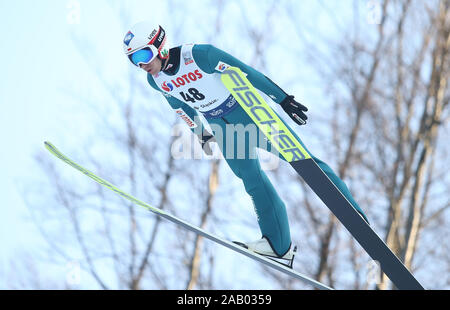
[186,225]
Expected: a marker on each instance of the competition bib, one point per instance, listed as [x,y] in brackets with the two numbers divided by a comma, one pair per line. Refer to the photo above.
[198,89]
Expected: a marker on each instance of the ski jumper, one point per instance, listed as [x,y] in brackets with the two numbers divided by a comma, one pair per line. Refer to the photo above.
[192,85]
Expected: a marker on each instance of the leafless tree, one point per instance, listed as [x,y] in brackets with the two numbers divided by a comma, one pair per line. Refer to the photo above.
[389,84]
[386,91]
[132,148]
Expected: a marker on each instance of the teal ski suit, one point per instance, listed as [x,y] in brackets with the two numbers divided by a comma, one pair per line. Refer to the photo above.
[270,208]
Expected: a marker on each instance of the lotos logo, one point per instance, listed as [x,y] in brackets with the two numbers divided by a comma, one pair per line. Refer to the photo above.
[182,80]
[221,66]
[167,86]
[186,118]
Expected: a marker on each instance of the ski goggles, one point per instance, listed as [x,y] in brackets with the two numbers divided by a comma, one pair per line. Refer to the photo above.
[142,56]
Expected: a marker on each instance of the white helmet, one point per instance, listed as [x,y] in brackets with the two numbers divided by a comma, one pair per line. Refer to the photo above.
[144,42]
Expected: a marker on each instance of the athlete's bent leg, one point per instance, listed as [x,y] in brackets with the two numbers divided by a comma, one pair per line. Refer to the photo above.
[270,209]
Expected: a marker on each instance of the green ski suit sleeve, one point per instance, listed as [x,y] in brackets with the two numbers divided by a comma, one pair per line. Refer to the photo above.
[208,56]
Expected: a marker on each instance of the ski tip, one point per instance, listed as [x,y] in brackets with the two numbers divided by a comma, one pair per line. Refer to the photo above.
[50,147]
[47,144]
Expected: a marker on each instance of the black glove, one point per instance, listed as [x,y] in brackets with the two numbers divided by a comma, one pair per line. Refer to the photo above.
[205,139]
[295,110]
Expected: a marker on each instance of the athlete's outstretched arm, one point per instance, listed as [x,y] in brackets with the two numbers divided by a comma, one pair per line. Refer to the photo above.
[215,56]
[209,58]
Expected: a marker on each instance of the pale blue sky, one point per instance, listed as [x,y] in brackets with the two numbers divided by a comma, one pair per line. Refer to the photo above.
[39,61]
[32,62]
[41,66]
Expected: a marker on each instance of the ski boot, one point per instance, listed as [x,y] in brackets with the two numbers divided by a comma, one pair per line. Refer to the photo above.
[263,247]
